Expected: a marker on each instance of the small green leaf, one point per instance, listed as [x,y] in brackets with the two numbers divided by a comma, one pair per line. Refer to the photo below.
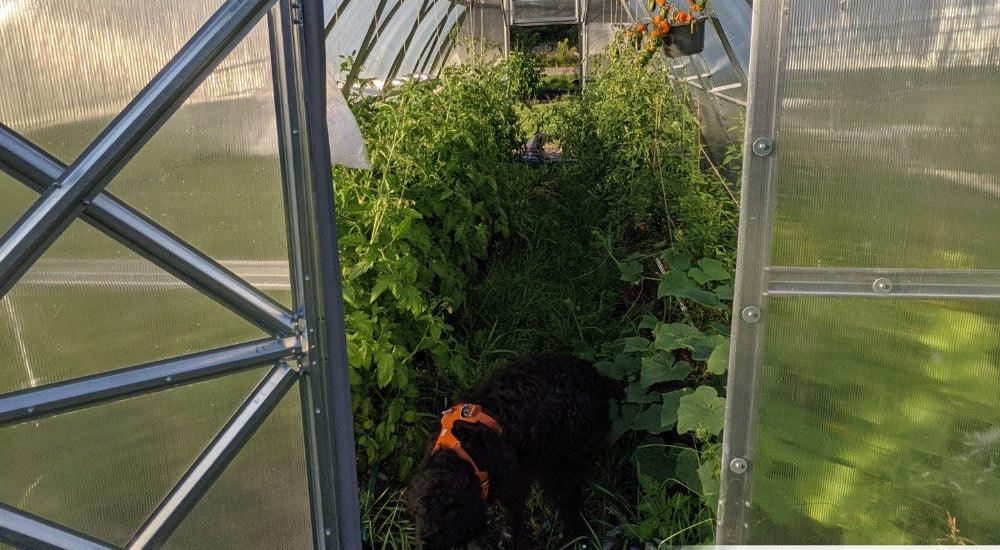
[687,470]
[648,322]
[708,472]
[709,270]
[703,297]
[662,368]
[671,402]
[635,393]
[635,343]
[359,269]
[654,462]
[649,420]
[702,345]
[724,292]
[631,271]
[678,261]
[384,368]
[674,283]
[702,409]
[673,336]
[718,362]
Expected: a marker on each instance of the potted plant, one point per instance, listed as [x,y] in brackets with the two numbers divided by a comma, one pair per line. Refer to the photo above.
[678,31]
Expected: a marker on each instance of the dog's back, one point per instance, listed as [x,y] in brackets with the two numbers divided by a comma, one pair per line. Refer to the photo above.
[554,410]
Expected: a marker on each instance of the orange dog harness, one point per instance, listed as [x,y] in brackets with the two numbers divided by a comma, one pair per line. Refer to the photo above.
[446,440]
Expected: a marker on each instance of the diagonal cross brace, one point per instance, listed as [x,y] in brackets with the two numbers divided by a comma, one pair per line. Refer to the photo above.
[121,140]
[36,169]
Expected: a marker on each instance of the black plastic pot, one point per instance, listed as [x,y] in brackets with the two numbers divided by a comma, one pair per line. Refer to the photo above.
[682,40]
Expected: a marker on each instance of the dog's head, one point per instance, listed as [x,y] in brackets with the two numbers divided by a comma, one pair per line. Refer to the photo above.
[446,503]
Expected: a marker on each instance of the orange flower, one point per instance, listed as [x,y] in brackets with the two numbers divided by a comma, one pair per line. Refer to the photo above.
[630,34]
[657,19]
[640,27]
[695,8]
[683,17]
[664,28]
[661,3]
[654,33]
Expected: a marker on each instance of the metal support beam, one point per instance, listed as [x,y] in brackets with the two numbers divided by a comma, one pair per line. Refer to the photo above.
[75,394]
[750,302]
[121,140]
[920,284]
[38,170]
[27,532]
[299,75]
[213,461]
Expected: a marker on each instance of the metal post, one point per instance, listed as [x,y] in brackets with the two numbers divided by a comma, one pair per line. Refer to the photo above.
[749,304]
[300,84]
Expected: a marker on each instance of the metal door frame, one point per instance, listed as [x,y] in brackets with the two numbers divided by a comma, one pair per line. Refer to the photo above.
[306,345]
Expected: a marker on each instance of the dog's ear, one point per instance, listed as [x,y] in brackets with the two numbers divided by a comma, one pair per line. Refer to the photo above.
[446,504]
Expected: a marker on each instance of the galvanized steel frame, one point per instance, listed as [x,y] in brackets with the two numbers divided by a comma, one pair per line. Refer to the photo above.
[306,346]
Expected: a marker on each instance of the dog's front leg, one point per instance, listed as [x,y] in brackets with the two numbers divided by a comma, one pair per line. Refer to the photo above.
[513,502]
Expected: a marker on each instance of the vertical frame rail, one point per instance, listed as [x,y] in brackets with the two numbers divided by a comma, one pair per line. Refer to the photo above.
[753,257]
[297,43]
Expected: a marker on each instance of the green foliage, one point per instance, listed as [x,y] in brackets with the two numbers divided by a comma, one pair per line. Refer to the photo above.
[673,377]
[638,140]
[413,232]
[622,255]
[524,75]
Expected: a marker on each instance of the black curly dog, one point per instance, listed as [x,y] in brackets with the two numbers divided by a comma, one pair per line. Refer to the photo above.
[553,422]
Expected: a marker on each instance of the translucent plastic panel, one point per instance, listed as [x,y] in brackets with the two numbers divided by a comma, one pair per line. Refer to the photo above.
[602,12]
[102,470]
[90,305]
[878,422]
[527,10]
[211,174]
[15,198]
[71,66]
[887,148]
[261,501]
[436,19]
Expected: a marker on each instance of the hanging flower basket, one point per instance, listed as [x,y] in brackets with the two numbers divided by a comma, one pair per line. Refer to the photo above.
[685,38]
[676,31]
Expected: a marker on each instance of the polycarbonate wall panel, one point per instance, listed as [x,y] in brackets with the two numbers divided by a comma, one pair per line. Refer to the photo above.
[602,12]
[79,63]
[90,305]
[211,174]
[261,501]
[104,482]
[436,18]
[864,381]
[888,134]
[14,201]
[878,421]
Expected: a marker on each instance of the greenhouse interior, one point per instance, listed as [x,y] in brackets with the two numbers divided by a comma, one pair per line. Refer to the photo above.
[678,272]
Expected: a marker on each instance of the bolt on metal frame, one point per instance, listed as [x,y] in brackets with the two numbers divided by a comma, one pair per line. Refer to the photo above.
[307,345]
